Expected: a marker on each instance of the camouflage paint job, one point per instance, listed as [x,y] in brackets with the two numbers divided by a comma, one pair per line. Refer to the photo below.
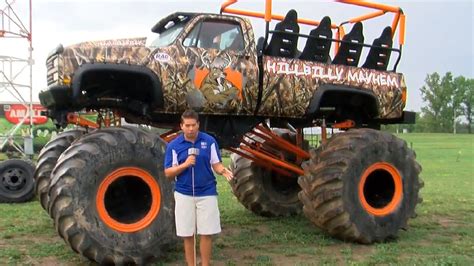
[192,75]
[289,85]
[120,51]
[226,82]
[178,68]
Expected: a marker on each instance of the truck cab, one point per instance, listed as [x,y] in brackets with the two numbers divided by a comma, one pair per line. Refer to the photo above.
[208,63]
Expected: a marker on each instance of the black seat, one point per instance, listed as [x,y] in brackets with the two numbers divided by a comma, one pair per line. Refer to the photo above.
[379,53]
[349,51]
[317,49]
[283,44]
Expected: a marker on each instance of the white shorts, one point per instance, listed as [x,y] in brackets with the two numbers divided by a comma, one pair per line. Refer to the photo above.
[207,210]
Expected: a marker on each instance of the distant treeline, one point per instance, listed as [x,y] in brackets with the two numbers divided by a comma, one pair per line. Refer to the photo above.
[448,106]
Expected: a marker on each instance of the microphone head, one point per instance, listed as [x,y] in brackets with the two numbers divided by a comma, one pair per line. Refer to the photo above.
[193,151]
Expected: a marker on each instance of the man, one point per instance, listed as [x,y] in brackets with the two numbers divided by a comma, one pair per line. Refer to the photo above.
[189,159]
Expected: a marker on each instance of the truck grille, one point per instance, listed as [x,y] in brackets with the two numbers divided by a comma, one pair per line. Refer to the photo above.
[54,73]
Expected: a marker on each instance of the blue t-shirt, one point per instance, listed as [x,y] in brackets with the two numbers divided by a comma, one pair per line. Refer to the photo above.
[204,179]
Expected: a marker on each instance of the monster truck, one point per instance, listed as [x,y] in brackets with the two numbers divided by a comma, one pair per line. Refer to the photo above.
[106,189]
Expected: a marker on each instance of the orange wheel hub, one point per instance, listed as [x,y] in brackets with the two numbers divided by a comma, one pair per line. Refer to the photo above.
[152,198]
[380,189]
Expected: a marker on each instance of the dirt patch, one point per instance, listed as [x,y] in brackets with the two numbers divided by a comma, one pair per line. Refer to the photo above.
[255,256]
[362,252]
[446,222]
[50,261]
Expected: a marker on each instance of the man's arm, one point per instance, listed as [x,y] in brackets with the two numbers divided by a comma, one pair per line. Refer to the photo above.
[221,170]
[173,171]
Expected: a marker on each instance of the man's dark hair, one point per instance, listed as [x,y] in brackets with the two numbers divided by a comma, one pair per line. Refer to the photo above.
[190,113]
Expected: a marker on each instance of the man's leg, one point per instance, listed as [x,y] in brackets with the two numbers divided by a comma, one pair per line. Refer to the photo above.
[189,250]
[206,249]
[208,223]
[185,224]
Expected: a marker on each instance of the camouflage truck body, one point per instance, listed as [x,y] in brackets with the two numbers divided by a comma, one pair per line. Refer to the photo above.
[232,88]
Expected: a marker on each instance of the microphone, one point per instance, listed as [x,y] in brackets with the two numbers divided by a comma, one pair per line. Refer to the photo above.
[193,151]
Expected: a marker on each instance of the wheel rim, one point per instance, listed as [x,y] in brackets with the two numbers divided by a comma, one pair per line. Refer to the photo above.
[14,179]
[380,189]
[284,188]
[128,199]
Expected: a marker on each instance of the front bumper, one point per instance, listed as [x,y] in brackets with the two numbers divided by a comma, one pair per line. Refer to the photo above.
[57,97]
[407,117]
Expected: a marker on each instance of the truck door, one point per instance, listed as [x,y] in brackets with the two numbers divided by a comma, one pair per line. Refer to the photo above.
[222,69]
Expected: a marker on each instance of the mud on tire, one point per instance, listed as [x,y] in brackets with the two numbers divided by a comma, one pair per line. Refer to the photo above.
[109,197]
[16,181]
[263,191]
[361,185]
[47,160]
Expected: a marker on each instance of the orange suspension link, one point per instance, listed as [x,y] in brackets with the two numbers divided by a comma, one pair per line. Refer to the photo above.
[344,124]
[76,119]
[281,142]
[261,162]
[170,135]
[261,156]
[268,150]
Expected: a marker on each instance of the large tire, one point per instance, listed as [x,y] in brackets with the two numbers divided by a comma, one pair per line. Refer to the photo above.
[47,160]
[110,200]
[263,191]
[16,181]
[361,185]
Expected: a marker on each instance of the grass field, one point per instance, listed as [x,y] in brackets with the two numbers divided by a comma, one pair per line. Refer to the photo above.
[442,234]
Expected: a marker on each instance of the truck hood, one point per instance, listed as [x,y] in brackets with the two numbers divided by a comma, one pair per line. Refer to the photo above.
[117,51]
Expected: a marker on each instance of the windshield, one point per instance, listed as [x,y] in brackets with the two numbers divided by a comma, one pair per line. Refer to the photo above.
[168,36]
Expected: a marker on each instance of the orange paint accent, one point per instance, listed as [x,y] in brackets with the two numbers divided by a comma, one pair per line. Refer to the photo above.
[155,204]
[402,30]
[395,22]
[75,119]
[283,164]
[367,16]
[170,135]
[404,96]
[344,124]
[199,76]
[227,3]
[381,10]
[262,163]
[280,142]
[273,17]
[268,10]
[234,77]
[397,195]
[383,7]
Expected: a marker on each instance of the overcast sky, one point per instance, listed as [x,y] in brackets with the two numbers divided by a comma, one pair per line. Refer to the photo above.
[439,34]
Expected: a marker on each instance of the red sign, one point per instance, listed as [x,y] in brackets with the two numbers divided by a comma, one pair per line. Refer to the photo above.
[14,113]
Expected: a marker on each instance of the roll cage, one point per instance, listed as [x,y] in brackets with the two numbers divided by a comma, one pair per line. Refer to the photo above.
[398,23]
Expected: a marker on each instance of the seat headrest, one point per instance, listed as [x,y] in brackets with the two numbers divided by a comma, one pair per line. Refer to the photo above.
[325,22]
[357,27]
[291,15]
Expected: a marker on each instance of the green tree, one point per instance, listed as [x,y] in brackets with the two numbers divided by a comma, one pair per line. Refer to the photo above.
[422,124]
[446,99]
[436,98]
[464,91]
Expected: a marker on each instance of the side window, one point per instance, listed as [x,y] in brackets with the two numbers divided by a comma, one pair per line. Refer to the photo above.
[191,39]
[216,35]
